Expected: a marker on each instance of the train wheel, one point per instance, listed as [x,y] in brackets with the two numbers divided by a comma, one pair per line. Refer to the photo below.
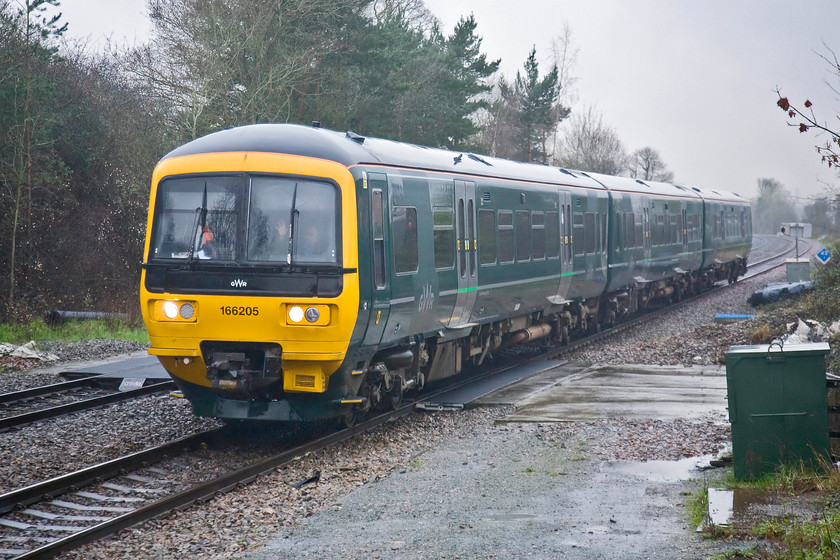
[347,421]
[395,395]
[564,335]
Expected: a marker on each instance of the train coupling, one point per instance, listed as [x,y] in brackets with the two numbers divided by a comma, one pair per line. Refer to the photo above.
[230,371]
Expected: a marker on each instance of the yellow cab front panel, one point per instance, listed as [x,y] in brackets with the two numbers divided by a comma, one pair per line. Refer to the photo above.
[247,310]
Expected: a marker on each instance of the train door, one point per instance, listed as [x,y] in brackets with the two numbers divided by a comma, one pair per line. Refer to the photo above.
[381,298]
[646,227]
[566,250]
[465,257]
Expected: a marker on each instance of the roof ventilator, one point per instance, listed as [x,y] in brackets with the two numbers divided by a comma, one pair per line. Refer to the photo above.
[355,137]
[480,160]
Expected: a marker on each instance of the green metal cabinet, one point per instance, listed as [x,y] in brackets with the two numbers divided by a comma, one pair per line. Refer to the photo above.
[777,406]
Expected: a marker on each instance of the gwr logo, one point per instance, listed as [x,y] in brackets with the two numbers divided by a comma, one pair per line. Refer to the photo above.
[427,299]
[239,284]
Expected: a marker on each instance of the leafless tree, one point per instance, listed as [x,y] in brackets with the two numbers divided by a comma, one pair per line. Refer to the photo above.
[214,74]
[588,144]
[646,164]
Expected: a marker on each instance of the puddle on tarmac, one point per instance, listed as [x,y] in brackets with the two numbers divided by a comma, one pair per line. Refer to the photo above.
[510,516]
[721,505]
[742,508]
[661,471]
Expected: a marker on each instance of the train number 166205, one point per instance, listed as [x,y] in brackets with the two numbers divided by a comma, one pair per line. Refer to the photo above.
[241,310]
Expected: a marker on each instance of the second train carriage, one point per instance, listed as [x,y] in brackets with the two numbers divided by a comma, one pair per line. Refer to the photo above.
[295,273]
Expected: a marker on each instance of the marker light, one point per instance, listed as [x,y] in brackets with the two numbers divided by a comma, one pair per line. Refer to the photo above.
[312,314]
[187,311]
[296,314]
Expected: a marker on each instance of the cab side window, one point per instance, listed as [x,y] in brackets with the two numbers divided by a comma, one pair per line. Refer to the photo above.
[404,224]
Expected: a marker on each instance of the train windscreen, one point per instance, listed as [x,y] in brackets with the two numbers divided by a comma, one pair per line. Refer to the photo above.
[258,219]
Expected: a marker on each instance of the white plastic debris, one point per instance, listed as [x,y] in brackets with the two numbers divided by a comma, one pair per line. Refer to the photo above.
[28,351]
[802,330]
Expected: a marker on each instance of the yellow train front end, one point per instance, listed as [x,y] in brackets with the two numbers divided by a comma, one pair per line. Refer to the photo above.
[250,287]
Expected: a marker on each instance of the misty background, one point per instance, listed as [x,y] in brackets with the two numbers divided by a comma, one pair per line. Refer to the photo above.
[94,93]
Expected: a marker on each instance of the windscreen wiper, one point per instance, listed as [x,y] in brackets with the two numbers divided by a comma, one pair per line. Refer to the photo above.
[293,215]
[198,224]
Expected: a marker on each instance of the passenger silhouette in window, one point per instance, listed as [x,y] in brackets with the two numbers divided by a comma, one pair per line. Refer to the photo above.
[207,249]
[310,245]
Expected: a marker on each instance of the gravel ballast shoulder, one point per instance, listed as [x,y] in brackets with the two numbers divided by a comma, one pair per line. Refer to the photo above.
[530,491]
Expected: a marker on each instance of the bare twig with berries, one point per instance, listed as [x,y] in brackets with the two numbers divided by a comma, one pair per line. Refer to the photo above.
[830,151]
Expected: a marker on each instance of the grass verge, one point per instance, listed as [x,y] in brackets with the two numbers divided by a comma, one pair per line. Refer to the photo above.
[72,331]
[785,538]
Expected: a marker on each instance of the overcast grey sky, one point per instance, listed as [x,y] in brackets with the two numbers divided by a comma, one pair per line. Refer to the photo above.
[694,79]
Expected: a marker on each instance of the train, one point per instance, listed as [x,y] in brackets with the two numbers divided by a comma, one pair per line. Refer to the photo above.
[295,273]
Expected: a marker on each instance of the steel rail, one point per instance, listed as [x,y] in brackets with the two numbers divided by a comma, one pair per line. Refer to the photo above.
[47,489]
[653,314]
[43,390]
[29,417]
[780,255]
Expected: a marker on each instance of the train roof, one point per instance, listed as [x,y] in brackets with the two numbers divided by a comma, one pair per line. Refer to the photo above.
[719,195]
[627,184]
[351,149]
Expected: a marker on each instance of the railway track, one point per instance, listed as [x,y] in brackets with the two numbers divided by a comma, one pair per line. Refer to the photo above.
[50,401]
[762,266]
[66,512]
[45,519]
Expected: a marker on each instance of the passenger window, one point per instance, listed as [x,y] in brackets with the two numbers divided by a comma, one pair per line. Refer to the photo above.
[505,236]
[552,235]
[444,237]
[659,230]
[578,235]
[404,224]
[602,219]
[523,236]
[589,232]
[630,230]
[538,231]
[487,236]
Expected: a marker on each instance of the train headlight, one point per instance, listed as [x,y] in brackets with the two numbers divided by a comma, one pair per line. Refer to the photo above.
[296,314]
[170,309]
[174,311]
